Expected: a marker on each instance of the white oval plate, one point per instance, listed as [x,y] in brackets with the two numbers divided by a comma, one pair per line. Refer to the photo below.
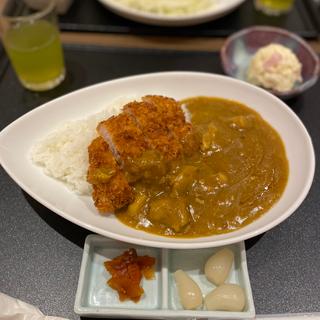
[17,139]
[219,8]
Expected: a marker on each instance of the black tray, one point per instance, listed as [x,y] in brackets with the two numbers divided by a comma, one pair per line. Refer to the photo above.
[313,7]
[40,252]
[90,15]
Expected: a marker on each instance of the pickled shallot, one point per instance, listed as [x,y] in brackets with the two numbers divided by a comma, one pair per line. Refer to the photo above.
[217,267]
[189,292]
[227,297]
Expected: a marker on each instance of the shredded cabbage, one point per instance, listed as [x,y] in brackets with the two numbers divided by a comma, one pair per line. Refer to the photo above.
[168,7]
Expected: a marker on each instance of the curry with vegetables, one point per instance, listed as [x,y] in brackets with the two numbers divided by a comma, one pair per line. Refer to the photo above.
[239,172]
[225,170]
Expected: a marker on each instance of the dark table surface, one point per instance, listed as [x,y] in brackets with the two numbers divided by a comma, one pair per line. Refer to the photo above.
[40,252]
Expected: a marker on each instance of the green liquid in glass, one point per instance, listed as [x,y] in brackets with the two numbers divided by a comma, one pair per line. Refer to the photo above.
[35,52]
[276,5]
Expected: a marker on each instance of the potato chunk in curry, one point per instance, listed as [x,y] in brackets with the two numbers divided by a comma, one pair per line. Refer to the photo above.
[170,212]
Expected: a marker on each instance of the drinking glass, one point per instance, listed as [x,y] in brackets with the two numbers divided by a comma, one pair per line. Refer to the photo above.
[32,42]
[274,7]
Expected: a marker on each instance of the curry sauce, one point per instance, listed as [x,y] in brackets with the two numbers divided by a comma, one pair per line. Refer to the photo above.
[239,171]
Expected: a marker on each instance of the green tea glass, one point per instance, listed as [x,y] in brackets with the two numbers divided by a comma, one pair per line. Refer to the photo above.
[33,45]
[274,7]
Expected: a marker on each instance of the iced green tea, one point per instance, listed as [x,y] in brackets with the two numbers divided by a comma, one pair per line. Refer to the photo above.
[35,53]
[32,42]
[274,7]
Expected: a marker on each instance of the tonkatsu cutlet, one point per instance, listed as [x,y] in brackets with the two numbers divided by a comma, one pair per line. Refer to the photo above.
[155,129]
[155,123]
[111,190]
[170,111]
[137,144]
[124,137]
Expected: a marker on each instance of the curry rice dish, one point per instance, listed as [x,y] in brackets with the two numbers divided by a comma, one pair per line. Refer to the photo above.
[164,175]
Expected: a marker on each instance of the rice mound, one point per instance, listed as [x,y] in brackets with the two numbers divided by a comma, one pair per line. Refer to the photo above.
[63,154]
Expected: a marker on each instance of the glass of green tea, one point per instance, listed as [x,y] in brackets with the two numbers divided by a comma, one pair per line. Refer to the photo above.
[274,7]
[32,42]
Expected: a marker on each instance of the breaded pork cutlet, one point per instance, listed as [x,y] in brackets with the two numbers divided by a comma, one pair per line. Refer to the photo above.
[171,113]
[138,143]
[111,190]
[154,128]
[124,137]
[168,109]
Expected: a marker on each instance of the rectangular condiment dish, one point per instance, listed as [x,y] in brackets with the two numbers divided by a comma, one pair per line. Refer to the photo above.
[95,298]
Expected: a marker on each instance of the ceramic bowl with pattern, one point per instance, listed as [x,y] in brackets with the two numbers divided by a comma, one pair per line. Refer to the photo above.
[239,48]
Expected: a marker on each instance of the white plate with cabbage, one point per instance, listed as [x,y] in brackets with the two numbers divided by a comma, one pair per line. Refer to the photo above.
[171,12]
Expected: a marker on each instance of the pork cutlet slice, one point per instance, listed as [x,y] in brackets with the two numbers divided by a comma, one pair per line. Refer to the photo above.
[124,137]
[168,109]
[155,129]
[111,190]
[132,145]
[171,113]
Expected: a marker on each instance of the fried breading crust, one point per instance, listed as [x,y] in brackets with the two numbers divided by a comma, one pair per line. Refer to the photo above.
[155,129]
[155,123]
[113,195]
[110,188]
[122,133]
[168,109]
[170,112]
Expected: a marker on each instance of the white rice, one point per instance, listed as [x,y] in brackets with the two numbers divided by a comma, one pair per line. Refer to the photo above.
[63,154]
